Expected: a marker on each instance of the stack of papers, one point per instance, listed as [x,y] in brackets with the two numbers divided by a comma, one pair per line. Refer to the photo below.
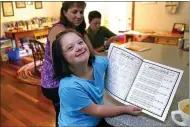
[137,48]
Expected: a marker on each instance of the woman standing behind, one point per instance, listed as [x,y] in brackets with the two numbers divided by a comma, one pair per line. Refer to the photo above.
[71,16]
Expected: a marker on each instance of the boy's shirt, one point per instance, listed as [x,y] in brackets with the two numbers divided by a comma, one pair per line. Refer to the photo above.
[97,39]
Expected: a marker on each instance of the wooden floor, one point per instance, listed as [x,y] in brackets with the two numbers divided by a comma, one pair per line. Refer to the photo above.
[21,103]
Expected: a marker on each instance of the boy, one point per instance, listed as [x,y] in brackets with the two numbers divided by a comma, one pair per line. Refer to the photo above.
[99,34]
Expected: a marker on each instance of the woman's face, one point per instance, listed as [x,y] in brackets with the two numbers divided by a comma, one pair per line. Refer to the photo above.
[75,14]
[75,51]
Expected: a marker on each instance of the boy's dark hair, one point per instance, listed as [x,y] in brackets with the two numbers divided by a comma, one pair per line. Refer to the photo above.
[93,14]
[60,65]
[64,21]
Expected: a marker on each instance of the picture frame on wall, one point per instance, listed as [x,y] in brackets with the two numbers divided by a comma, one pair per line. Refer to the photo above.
[38,4]
[178,28]
[7,8]
[20,4]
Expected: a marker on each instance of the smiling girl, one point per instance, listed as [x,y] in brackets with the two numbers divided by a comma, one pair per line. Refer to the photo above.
[81,76]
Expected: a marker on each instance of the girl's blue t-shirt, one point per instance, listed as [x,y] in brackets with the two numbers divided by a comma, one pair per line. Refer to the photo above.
[76,93]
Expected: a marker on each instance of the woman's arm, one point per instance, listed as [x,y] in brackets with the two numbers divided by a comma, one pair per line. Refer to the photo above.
[110,110]
[52,35]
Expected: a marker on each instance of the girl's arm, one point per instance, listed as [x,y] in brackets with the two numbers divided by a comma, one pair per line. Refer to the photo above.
[110,110]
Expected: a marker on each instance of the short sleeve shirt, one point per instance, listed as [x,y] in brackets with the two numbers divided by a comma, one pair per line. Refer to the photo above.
[77,93]
[97,39]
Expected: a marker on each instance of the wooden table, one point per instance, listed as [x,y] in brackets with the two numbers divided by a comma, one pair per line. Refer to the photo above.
[167,55]
[17,35]
[158,37]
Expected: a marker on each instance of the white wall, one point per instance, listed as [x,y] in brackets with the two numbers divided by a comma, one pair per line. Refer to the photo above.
[114,14]
[49,9]
[91,6]
[153,16]
[118,15]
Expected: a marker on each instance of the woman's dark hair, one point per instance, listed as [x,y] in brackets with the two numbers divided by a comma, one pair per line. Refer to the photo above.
[93,14]
[63,20]
[60,64]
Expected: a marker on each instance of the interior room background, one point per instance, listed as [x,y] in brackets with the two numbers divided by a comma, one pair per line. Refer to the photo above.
[115,15]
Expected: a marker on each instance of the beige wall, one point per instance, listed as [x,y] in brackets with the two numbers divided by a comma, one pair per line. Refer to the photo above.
[115,19]
[153,16]
[49,9]
[53,9]
[147,16]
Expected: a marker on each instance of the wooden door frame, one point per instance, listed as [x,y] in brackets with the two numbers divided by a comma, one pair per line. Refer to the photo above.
[133,16]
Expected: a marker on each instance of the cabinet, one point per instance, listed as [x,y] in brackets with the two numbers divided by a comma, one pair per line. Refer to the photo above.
[156,37]
[167,40]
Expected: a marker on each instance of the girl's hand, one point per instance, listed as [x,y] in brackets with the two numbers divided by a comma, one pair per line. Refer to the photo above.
[133,110]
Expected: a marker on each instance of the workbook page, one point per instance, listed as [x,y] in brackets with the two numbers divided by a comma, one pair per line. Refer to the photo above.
[154,88]
[122,69]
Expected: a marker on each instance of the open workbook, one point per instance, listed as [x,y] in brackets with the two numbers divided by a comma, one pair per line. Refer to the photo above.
[131,79]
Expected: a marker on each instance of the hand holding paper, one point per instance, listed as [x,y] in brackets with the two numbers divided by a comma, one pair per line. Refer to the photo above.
[133,80]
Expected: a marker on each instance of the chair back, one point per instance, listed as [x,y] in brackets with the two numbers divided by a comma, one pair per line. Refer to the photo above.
[38,52]
[41,35]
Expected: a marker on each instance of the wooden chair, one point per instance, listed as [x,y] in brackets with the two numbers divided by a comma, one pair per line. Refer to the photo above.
[38,52]
[41,35]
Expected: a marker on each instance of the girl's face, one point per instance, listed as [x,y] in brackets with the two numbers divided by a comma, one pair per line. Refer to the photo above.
[75,14]
[75,51]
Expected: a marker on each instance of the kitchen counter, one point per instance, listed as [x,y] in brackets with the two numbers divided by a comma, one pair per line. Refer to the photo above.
[167,55]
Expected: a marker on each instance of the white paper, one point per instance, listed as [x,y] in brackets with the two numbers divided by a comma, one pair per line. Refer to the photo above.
[122,69]
[149,85]
[154,88]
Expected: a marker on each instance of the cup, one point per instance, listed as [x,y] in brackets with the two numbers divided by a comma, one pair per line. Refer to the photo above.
[183,111]
[180,43]
[122,39]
